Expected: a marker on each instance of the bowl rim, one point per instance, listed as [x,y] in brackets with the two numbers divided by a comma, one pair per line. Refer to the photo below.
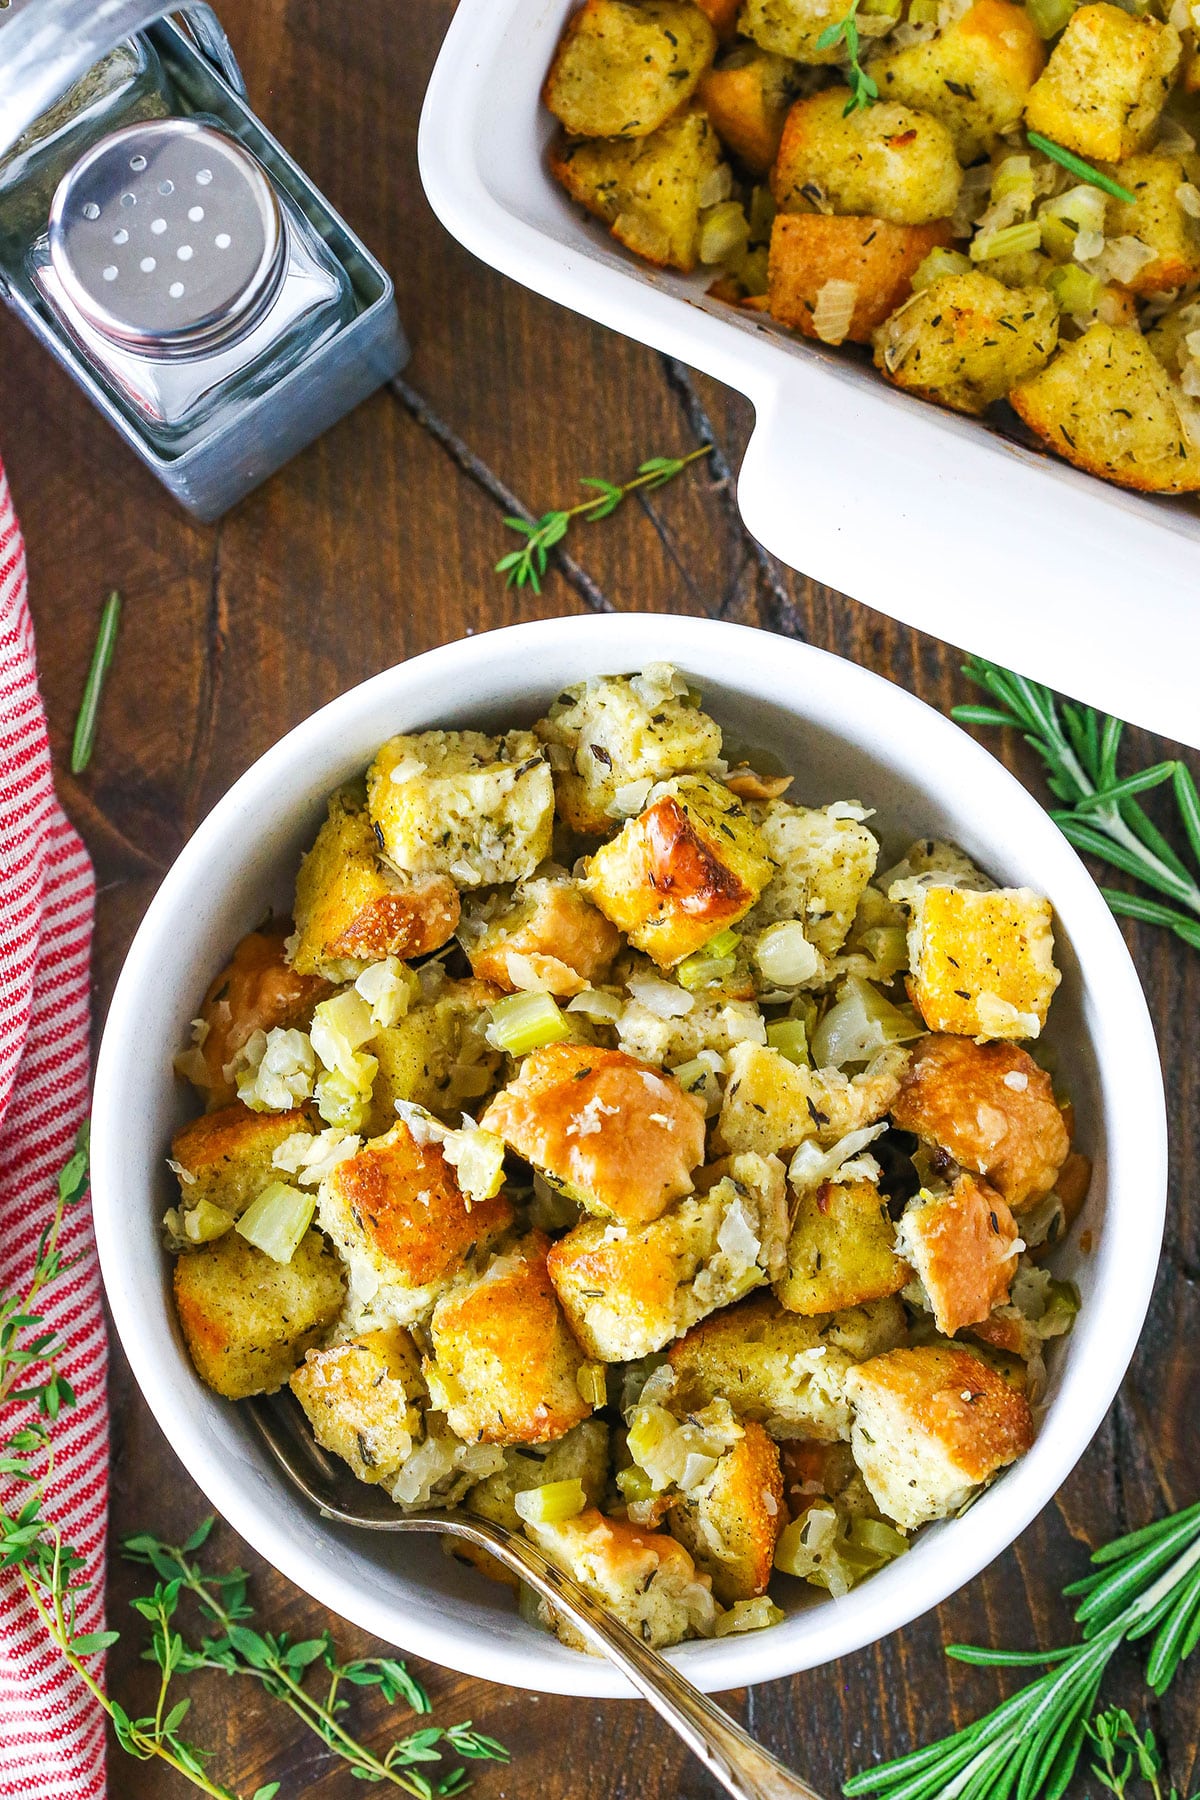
[1128,1252]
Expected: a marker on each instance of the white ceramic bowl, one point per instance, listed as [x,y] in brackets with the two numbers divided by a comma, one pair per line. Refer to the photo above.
[926,515]
[846,733]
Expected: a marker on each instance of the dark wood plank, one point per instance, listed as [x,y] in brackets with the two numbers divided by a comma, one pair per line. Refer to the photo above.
[378,543]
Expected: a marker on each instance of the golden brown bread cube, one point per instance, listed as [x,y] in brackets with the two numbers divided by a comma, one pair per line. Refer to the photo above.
[247,1320]
[771,1104]
[258,991]
[362,1398]
[436,1056]
[620,71]
[582,1455]
[885,160]
[559,939]
[1107,405]
[645,1578]
[842,1250]
[966,339]
[351,905]
[730,1524]
[505,1365]
[930,1424]
[228,1155]
[1158,220]
[688,866]
[991,1107]
[628,1290]
[975,76]
[1107,81]
[961,1245]
[620,1136]
[721,15]
[785,1371]
[397,1215]
[982,963]
[747,97]
[648,191]
[791,27]
[825,856]
[879,258]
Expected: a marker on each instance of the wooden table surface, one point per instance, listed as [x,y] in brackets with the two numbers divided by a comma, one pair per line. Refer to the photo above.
[376,544]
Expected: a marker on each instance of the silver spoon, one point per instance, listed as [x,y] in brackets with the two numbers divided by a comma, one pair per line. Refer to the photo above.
[742,1767]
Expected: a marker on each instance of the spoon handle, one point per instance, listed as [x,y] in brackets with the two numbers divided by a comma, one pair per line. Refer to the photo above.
[743,1767]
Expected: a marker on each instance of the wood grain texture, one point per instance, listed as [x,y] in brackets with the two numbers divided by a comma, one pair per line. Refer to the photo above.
[374,545]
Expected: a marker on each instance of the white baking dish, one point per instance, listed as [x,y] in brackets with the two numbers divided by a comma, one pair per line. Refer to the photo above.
[930,517]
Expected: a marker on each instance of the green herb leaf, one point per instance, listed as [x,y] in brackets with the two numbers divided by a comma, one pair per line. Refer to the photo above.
[85,724]
[1068,160]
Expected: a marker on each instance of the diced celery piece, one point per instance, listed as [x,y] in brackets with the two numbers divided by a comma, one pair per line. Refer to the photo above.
[860,1022]
[724,943]
[924,12]
[342,1096]
[635,1484]
[524,1022]
[724,233]
[881,1540]
[753,272]
[551,1504]
[701,970]
[1050,16]
[204,1223]
[277,1220]
[1010,241]
[938,263]
[749,1615]
[804,1542]
[699,1078]
[592,1381]
[1013,180]
[790,1038]
[1074,290]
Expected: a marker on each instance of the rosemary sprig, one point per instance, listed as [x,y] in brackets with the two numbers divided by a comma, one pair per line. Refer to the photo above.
[85,724]
[526,566]
[235,1647]
[1145,1585]
[1067,159]
[864,90]
[1101,814]
[1126,1754]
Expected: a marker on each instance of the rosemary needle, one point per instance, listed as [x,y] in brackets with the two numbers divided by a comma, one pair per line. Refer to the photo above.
[85,725]
[1068,160]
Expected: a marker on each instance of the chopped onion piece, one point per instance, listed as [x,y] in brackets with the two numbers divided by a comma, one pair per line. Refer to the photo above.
[811,1165]
[833,310]
[785,956]
[277,1221]
[665,999]
[860,1022]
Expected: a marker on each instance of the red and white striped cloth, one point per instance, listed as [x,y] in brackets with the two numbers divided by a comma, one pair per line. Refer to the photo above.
[51,1730]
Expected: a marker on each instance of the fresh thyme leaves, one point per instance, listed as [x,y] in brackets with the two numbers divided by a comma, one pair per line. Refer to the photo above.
[863,89]
[526,566]
[1126,1754]
[85,725]
[1143,1585]
[1101,814]
[282,1668]
[1067,159]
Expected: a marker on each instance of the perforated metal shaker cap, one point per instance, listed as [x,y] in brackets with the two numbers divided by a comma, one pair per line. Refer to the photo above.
[167,237]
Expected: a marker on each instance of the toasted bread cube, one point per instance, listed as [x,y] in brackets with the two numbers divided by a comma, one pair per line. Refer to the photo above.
[620,71]
[982,963]
[842,1250]
[620,734]
[791,28]
[930,1425]
[227,1155]
[962,1247]
[559,940]
[771,1104]
[825,856]
[258,991]
[992,1108]
[397,1215]
[721,15]
[966,339]
[350,905]
[644,1578]
[1158,220]
[884,161]
[582,1455]
[975,76]
[628,1290]
[787,1372]
[648,191]
[747,97]
[362,1398]
[621,1137]
[731,1522]
[1106,83]
[505,1364]
[479,809]
[713,1024]
[436,1056]
[878,258]
[684,869]
[1107,405]
[247,1320]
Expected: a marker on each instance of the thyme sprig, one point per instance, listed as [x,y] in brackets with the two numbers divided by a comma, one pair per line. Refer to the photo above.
[1101,814]
[234,1646]
[864,90]
[525,567]
[1145,1585]
[1126,1754]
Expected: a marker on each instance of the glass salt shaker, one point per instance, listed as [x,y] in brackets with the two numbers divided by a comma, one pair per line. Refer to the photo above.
[170,254]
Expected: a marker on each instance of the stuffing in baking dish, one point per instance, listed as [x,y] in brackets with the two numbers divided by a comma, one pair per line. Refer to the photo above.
[620,1147]
[1000,199]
